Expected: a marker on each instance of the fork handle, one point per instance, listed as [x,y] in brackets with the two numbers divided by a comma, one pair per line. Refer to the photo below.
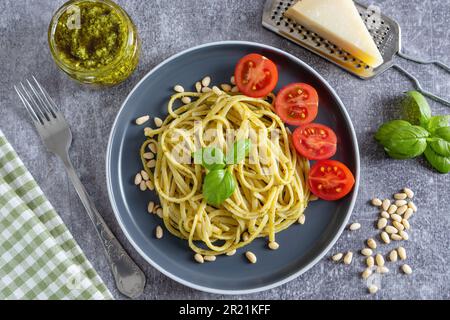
[129,278]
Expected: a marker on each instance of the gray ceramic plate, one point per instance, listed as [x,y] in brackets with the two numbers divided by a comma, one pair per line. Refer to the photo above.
[301,246]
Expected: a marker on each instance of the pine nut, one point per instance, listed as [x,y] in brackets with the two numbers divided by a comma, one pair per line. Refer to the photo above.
[406,224]
[158,122]
[142,186]
[137,179]
[251,257]
[155,208]
[366,252]
[206,81]
[401,253]
[408,214]
[151,164]
[348,257]
[225,87]
[199,258]
[159,212]
[401,210]
[217,91]
[231,253]
[403,234]
[371,243]
[232,80]
[386,204]
[209,258]
[273,245]
[159,232]
[376,202]
[392,208]
[150,207]
[153,148]
[398,226]
[148,155]
[373,289]
[313,197]
[337,257]
[382,223]
[235,89]
[301,219]
[366,273]
[370,262]
[147,131]
[178,88]
[390,229]
[379,260]
[198,86]
[393,255]
[144,175]
[150,185]
[409,193]
[406,269]
[385,237]
[141,120]
[206,89]
[400,196]
[412,206]
[396,217]
[186,100]
[385,215]
[396,237]
[382,270]
[400,203]
[355,226]
[245,236]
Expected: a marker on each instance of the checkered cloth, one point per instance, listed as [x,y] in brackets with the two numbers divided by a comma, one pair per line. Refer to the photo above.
[39,259]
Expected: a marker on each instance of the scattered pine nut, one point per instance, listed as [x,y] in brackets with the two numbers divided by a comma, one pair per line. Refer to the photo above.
[366,252]
[178,88]
[401,253]
[137,179]
[398,226]
[406,269]
[396,237]
[393,256]
[206,89]
[371,243]
[150,185]
[251,257]
[151,164]
[396,217]
[153,148]
[231,253]
[159,232]
[147,131]
[301,219]
[144,175]
[409,193]
[235,89]
[382,223]
[406,224]
[186,100]
[158,122]
[150,207]
[155,208]
[400,203]
[348,258]
[142,186]
[141,120]
[382,270]
[390,229]
[355,226]
[337,257]
[209,258]
[217,91]
[403,234]
[313,197]
[366,273]
[225,87]
[148,155]
[198,86]
[232,80]
[386,204]
[273,245]
[373,289]
[408,214]
[206,81]
[400,196]
[199,258]
[370,261]
[376,202]
[245,236]
[392,209]
[412,206]
[159,212]
[385,215]
[401,210]
[385,237]
[379,260]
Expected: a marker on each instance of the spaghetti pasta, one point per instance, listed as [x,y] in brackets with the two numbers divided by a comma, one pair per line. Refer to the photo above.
[271,192]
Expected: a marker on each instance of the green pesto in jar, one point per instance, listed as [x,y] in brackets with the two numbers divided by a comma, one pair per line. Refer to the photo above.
[92,36]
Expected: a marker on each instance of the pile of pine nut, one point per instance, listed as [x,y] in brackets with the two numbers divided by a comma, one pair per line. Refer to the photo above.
[393,225]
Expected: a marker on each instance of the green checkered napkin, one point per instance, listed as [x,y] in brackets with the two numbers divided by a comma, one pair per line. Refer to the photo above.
[39,259]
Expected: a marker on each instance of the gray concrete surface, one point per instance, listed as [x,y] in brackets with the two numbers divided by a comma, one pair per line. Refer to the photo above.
[166,27]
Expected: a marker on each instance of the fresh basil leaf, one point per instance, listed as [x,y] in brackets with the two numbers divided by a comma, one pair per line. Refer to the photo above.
[437,122]
[443,133]
[218,186]
[240,151]
[440,146]
[416,109]
[210,158]
[385,131]
[440,163]
[406,142]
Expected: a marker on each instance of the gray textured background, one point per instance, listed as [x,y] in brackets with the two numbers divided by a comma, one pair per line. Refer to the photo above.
[166,27]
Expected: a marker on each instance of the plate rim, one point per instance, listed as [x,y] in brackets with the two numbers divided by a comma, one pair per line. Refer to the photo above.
[264,287]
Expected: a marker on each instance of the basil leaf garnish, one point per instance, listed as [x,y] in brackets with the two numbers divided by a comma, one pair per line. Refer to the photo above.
[239,152]
[440,163]
[405,142]
[218,186]
[385,131]
[416,109]
[211,158]
[440,141]
[437,122]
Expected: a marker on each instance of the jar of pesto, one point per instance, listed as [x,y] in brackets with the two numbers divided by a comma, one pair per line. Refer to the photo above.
[94,41]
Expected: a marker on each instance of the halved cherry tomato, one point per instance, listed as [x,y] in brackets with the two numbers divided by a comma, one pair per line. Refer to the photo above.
[330,179]
[255,75]
[297,104]
[315,141]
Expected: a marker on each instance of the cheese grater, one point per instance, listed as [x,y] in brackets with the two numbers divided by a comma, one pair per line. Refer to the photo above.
[385,32]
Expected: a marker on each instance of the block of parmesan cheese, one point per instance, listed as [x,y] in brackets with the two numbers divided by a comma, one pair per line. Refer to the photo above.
[338,21]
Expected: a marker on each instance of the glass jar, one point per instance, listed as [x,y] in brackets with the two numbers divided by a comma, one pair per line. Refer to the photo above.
[94,41]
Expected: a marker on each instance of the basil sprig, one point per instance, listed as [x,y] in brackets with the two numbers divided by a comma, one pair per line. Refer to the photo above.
[219,183]
[420,133]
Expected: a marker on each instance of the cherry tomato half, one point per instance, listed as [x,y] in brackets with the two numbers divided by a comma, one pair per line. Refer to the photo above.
[330,179]
[297,104]
[255,75]
[315,141]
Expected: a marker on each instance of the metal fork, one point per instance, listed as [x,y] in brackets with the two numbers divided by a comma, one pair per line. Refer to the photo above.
[57,137]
